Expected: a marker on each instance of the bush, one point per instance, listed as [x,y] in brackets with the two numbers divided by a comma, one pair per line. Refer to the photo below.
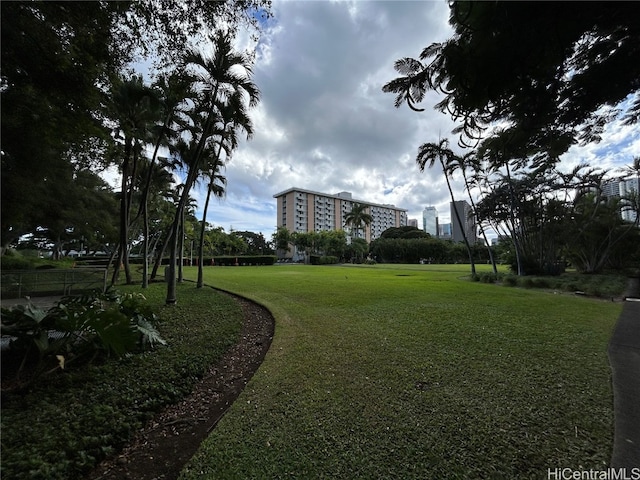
[323,260]
[486,277]
[15,263]
[541,283]
[64,424]
[510,281]
[78,328]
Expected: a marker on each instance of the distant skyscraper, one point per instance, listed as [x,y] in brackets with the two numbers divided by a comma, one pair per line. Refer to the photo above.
[468,222]
[444,231]
[412,222]
[629,187]
[430,221]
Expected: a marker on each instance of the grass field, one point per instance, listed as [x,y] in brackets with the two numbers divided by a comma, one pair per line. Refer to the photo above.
[414,372]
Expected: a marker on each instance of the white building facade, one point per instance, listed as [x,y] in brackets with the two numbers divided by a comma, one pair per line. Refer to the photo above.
[623,188]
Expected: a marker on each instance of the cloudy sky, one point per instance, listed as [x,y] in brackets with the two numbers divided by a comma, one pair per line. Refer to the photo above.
[324,123]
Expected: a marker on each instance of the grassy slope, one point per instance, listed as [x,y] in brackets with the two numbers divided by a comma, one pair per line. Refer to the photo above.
[410,372]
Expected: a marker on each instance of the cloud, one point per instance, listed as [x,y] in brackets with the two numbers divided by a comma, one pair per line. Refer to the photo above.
[324,123]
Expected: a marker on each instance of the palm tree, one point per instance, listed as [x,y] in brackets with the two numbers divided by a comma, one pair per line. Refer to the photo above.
[185,152]
[428,154]
[357,218]
[470,160]
[175,90]
[217,184]
[225,72]
[233,117]
[135,107]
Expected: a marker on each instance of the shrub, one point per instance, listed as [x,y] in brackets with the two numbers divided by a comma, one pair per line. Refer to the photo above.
[232,260]
[328,260]
[487,277]
[541,283]
[15,263]
[78,328]
[510,281]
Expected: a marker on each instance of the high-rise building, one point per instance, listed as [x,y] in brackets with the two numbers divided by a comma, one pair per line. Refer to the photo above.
[444,231]
[622,188]
[412,222]
[468,226]
[430,221]
[611,188]
[307,211]
[629,187]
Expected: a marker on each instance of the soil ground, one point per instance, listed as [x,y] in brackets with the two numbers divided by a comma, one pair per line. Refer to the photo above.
[160,451]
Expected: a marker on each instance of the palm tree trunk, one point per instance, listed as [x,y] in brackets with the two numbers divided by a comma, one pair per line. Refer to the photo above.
[455,210]
[200,282]
[181,247]
[124,209]
[191,178]
[160,255]
[482,232]
[175,232]
[144,206]
[145,246]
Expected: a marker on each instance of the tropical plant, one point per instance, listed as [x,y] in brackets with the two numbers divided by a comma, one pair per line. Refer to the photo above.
[78,328]
[357,218]
[281,240]
[232,118]
[175,90]
[469,161]
[135,107]
[219,76]
[496,69]
[428,154]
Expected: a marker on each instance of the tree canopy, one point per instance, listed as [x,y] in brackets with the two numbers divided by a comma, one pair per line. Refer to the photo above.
[549,73]
[58,62]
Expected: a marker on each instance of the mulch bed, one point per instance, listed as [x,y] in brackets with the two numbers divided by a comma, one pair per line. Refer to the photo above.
[160,451]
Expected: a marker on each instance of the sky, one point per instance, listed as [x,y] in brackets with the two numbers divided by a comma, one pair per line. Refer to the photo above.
[324,123]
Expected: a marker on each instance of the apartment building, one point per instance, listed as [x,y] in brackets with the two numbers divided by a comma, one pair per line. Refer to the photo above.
[623,188]
[307,211]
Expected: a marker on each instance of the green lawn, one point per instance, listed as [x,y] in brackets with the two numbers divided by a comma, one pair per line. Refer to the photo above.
[414,372]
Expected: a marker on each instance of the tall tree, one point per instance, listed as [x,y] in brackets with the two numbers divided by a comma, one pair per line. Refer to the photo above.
[216,186]
[469,161]
[428,155]
[552,72]
[221,75]
[281,240]
[57,61]
[232,118]
[53,56]
[135,108]
[174,90]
